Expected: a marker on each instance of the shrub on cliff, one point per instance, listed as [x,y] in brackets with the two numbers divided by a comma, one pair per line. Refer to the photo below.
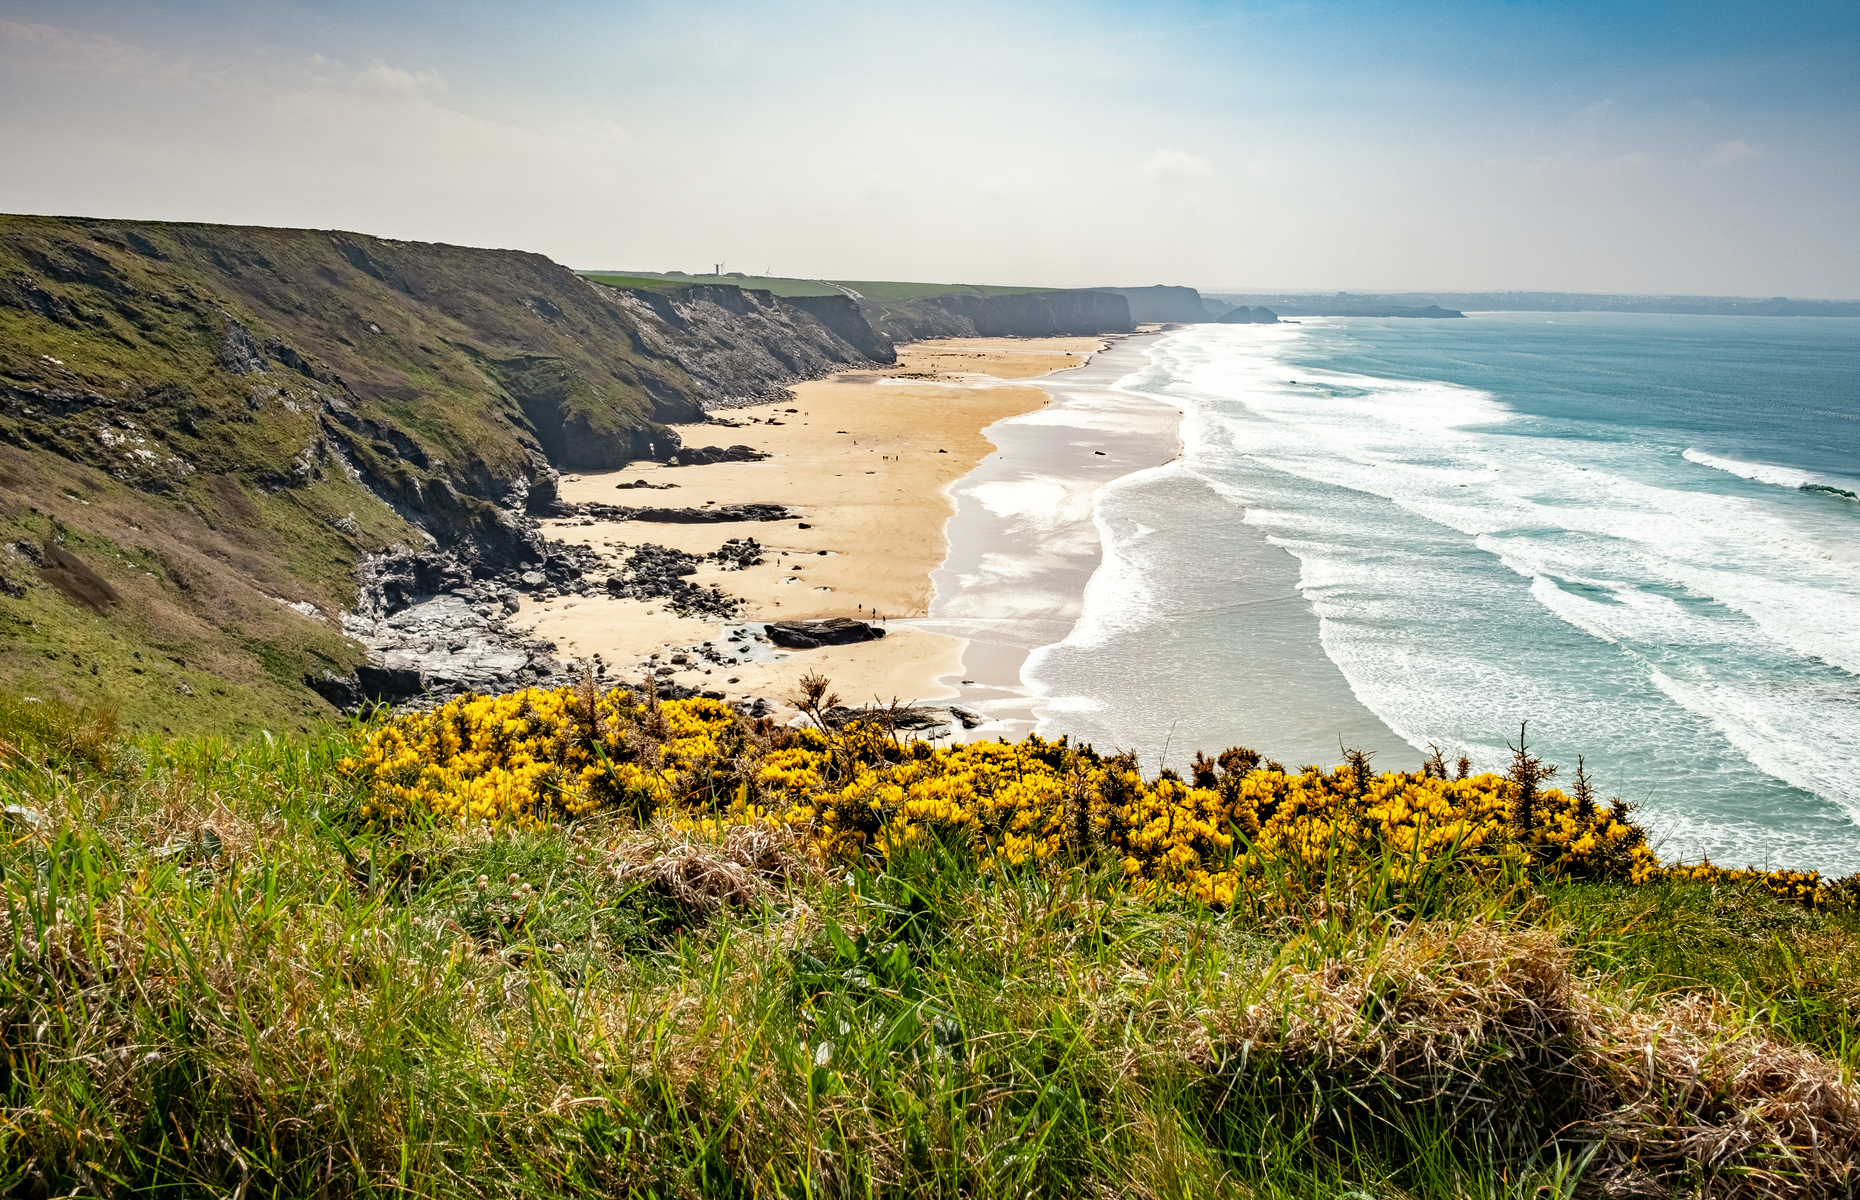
[1240,833]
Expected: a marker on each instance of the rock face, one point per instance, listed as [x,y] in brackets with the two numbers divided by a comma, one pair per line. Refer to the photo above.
[841,315]
[740,345]
[1162,304]
[811,635]
[1077,313]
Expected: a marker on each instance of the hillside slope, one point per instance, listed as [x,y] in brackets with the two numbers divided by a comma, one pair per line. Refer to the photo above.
[202,425]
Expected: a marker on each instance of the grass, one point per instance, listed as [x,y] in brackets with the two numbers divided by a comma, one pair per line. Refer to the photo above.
[215,980]
[876,291]
[879,292]
[667,282]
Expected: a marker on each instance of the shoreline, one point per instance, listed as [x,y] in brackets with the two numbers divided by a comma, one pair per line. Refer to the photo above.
[866,462]
[1024,541]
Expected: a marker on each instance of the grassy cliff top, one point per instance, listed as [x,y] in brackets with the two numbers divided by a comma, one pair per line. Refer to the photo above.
[877,291]
[219,973]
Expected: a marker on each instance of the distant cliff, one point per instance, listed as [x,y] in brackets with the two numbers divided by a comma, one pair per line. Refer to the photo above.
[1162,304]
[1424,303]
[215,422]
[1309,306]
[1249,316]
[1058,313]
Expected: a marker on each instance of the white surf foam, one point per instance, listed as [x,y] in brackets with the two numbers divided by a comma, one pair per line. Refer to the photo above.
[1698,592]
[1788,477]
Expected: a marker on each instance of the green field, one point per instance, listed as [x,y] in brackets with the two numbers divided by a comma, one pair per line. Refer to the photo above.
[656,281]
[877,291]
[881,292]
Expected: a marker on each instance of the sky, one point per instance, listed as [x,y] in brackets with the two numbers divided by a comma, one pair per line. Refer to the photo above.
[1700,148]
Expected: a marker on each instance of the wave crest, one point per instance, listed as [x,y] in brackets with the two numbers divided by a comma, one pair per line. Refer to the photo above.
[1788,477]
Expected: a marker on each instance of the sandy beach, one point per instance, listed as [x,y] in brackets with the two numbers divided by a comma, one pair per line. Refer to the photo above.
[867,460]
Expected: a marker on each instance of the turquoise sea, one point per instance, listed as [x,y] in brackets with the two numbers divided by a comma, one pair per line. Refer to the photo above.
[1637,532]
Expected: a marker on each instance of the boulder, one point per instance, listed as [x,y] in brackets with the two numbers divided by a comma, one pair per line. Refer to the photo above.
[389,683]
[811,635]
[702,456]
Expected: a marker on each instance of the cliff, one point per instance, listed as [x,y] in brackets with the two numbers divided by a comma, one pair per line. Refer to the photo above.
[223,425]
[1067,313]
[1161,304]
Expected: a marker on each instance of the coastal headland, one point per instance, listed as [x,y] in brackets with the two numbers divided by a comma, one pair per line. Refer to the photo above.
[534,927]
[865,461]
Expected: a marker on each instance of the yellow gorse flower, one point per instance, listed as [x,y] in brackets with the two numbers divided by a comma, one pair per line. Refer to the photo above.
[859,793]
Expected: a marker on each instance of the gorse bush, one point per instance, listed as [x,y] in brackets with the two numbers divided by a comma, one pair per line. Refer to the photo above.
[1234,831]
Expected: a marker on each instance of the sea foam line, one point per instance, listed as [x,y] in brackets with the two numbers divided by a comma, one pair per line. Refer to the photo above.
[1788,477]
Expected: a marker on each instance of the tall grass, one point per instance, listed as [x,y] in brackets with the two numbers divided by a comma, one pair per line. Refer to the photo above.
[216,979]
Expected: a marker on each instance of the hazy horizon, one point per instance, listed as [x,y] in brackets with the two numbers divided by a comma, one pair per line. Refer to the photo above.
[1653,150]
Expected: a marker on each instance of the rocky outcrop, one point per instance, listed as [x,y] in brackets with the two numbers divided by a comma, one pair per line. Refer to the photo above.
[1076,313]
[811,635]
[703,456]
[1249,316]
[715,514]
[435,627]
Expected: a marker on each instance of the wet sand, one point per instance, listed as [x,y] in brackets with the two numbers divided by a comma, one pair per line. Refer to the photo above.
[1023,540]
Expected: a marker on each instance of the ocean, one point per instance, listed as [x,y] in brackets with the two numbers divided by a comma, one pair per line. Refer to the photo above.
[1637,533]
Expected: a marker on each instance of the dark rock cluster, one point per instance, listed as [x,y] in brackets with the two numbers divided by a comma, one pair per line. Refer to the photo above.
[925,721]
[658,573]
[437,625]
[702,456]
[711,514]
[739,553]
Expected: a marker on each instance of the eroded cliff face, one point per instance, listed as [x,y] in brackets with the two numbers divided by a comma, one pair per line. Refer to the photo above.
[1070,313]
[737,344]
[247,415]
[1163,304]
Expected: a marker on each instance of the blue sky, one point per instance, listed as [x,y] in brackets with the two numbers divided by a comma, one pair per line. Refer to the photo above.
[1702,148]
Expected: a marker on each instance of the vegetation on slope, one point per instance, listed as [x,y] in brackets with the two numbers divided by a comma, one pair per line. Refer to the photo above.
[289,967]
[208,420]
[874,291]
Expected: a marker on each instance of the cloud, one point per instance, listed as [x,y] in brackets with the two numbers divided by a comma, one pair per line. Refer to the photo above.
[384,80]
[1726,153]
[1170,163]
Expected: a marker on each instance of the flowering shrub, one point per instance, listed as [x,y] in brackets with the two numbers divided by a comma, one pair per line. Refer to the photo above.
[534,756]
[1235,827]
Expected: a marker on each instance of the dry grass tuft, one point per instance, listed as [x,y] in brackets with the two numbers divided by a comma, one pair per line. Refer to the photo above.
[1491,1026]
[706,870]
